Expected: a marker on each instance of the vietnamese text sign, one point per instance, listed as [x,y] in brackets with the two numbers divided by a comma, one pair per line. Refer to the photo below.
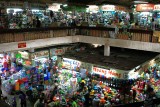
[145,7]
[107,73]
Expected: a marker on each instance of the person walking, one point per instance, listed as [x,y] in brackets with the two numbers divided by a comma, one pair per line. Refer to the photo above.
[0,93]
[150,95]
[153,25]
[22,98]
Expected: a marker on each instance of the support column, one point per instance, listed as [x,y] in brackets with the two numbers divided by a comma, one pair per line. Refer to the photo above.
[106,50]
[31,51]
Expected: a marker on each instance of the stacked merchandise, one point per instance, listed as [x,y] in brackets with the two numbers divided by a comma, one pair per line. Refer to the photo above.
[3,17]
[114,88]
[114,82]
[67,82]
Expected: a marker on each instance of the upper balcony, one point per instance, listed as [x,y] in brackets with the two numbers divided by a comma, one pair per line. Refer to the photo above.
[147,40]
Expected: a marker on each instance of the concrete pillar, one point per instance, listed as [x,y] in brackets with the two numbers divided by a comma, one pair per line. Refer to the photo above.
[106,50]
[31,50]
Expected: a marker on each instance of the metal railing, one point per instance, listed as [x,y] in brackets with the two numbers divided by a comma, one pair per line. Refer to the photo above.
[16,35]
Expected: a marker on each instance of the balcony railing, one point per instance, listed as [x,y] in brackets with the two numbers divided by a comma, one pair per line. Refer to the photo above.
[16,35]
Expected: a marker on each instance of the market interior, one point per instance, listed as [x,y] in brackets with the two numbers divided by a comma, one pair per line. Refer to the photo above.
[79,74]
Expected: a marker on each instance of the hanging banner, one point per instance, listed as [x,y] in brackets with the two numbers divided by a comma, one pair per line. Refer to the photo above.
[145,7]
[108,8]
[107,73]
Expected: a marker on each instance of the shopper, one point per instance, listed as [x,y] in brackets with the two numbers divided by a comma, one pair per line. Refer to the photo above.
[39,103]
[95,102]
[87,100]
[29,93]
[22,98]
[41,87]
[150,95]
[134,95]
[0,81]
[0,93]
[38,22]
[14,102]
[153,25]
[34,22]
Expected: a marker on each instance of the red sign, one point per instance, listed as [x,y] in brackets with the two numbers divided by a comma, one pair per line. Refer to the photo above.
[59,51]
[145,7]
[22,45]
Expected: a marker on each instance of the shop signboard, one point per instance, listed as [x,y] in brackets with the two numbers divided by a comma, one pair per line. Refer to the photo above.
[108,72]
[133,75]
[54,7]
[145,7]
[113,8]
[22,45]
[108,8]
[11,4]
[93,8]
[120,8]
[157,7]
[70,63]
[40,54]
[55,51]
[59,51]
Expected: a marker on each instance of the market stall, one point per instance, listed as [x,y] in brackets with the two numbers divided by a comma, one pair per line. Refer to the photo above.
[146,75]
[144,15]
[115,13]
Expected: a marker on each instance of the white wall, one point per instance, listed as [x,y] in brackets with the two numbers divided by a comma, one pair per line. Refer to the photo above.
[147,46]
[85,39]
[13,46]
